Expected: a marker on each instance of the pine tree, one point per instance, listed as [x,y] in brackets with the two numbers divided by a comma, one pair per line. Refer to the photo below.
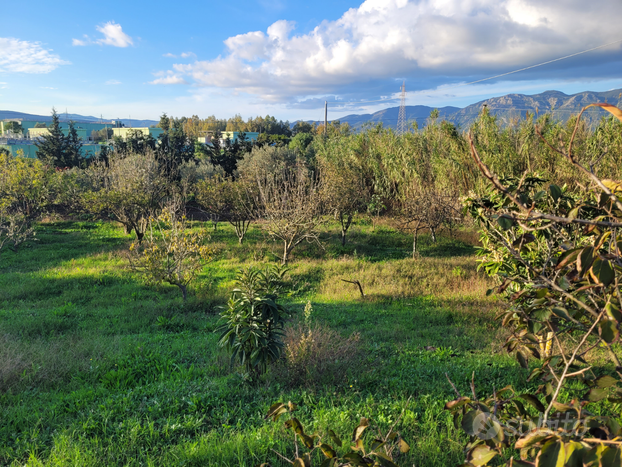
[73,148]
[52,148]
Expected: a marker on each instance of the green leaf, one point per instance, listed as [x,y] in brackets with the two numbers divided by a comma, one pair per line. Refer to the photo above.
[573,214]
[613,311]
[329,462]
[552,455]
[595,394]
[533,401]
[505,221]
[574,454]
[568,257]
[608,330]
[586,258]
[606,381]
[334,437]
[481,455]
[384,461]
[328,450]
[355,459]
[556,192]
[469,421]
[521,360]
[276,410]
[611,456]
[602,272]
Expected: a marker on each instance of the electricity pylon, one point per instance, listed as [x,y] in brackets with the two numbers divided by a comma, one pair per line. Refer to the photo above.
[401,119]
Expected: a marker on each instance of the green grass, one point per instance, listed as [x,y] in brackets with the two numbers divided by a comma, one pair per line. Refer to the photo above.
[96,367]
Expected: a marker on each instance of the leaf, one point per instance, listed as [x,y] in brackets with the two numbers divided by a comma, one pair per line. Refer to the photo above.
[595,394]
[613,110]
[551,455]
[556,192]
[585,259]
[574,454]
[532,438]
[457,403]
[606,381]
[608,330]
[469,420]
[613,311]
[521,360]
[572,215]
[533,401]
[358,431]
[335,438]
[329,462]
[568,257]
[275,411]
[562,407]
[328,451]
[356,459]
[295,425]
[404,447]
[384,461]
[602,272]
[505,221]
[481,455]
[299,462]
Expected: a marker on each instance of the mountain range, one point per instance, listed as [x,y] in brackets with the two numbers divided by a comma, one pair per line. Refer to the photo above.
[506,108]
[65,117]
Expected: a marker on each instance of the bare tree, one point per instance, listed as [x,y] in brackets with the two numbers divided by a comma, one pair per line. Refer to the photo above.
[427,208]
[290,205]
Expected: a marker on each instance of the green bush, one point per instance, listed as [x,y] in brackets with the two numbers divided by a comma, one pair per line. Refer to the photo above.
[253,321]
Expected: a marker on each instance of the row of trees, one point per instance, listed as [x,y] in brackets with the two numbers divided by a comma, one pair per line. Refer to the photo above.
[416,178]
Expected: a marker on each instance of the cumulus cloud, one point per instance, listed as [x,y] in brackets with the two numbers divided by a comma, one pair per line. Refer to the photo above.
[17,56]
[114,35]
[430,41]
[168,78]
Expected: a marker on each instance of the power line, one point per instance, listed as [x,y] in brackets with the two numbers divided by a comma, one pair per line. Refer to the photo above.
[496,76]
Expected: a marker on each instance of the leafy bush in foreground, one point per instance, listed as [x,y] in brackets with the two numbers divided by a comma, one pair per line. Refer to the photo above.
[559,260]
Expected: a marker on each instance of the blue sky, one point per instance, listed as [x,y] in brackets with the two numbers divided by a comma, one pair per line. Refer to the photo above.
[284,58]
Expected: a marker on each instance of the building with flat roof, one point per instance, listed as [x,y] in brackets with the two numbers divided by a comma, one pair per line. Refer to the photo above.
[35,133]
[125,132]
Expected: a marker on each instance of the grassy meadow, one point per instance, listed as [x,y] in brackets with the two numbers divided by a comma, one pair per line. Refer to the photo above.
[99,368]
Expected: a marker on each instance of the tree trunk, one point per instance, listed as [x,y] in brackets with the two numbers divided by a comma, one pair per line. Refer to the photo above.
[184,291]
[343,237]
[286,252]
[433,231]
[414,244]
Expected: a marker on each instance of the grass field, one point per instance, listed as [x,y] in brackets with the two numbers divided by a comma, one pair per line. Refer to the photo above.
[97,368]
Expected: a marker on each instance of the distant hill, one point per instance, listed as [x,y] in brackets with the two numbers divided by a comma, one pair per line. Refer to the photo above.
[9,114]
[560,105]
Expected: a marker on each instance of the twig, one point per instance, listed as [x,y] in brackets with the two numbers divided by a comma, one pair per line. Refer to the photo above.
[357,283]
[453,385]
[282,457]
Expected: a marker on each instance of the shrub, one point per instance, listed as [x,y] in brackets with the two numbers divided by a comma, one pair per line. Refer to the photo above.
[316,355]
[558,258]
[253,321]
[171,253]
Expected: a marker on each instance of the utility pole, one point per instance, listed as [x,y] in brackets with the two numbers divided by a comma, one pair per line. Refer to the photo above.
[401,119]
[325,117]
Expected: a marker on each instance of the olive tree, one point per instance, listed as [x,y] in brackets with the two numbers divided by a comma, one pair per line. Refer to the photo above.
[131,188]
[23,197]
[228,199]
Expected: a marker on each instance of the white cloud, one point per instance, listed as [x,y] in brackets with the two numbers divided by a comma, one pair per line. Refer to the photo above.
[169,55]
[188,55]
[388,39]
[17,56]
[47,87]
[112,82]
[79,42]
[114,35]
[168,78]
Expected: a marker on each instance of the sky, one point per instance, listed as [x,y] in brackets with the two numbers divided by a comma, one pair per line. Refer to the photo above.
[285,58]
